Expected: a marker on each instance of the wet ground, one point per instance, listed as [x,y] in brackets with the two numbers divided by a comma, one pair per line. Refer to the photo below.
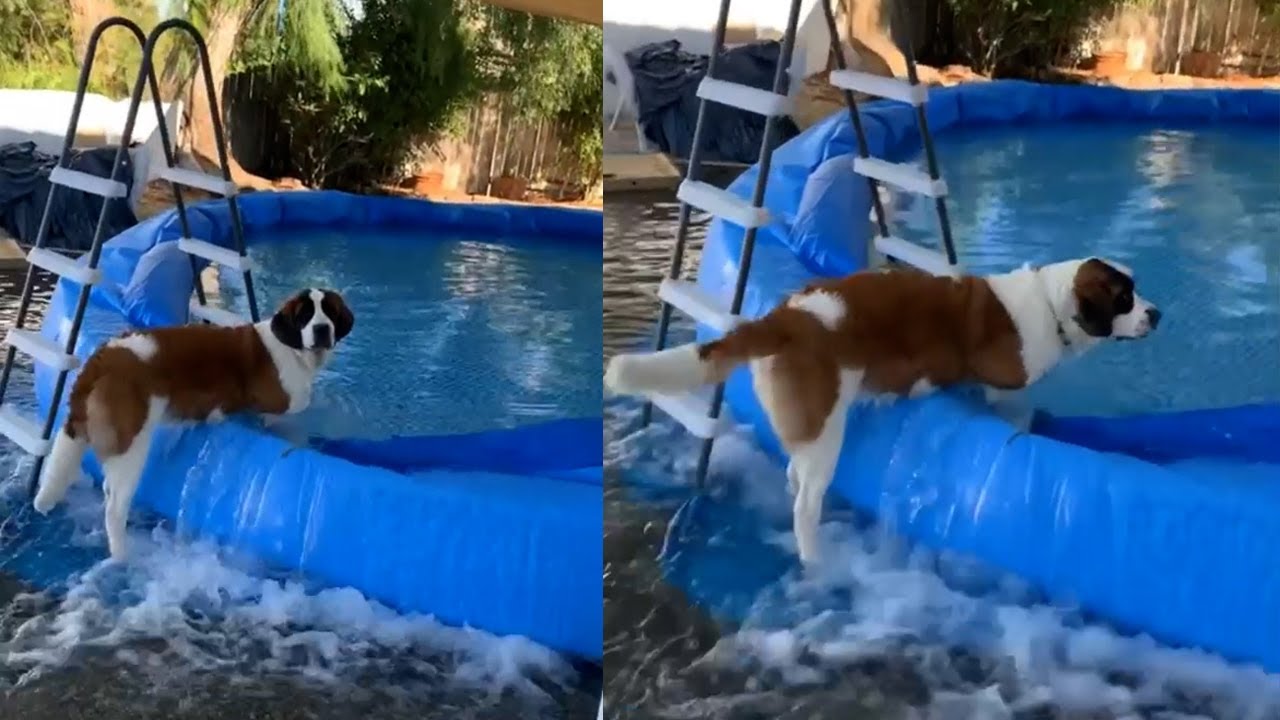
[189,634]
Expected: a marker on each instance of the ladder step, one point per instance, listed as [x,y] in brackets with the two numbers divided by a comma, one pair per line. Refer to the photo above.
[691,411]
[196,179]
[23,431]
[41,348]
[722,204]
[63,266]
[696,303]
[214,315]
[880,86]
[84,182]
[901,175]
[215,253]
[744,97]
[931,261]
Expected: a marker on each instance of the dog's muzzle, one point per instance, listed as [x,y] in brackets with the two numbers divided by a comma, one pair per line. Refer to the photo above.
[323,336]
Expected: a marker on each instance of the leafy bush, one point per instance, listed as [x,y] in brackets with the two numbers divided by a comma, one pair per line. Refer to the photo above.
[1005,37]
[407,71]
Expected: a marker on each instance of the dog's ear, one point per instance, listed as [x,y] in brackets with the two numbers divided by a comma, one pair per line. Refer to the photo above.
[1093,317]
[289,320]
[336,308]
[1098,289]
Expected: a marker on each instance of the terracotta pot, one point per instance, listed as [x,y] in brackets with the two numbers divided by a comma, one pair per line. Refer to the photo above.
[428,183]
[510,188]
[1110,63]
[1199,63]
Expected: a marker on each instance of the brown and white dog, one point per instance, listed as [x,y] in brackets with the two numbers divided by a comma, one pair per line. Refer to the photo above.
[895,333]
[193,373]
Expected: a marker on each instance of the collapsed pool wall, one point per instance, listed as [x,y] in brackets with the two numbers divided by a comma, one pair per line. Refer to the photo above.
[500,551]
[1151,550]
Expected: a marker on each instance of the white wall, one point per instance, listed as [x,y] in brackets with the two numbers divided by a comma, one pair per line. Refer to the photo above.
[41,116]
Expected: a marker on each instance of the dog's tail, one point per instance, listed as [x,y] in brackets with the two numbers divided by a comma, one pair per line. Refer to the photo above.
[687,367]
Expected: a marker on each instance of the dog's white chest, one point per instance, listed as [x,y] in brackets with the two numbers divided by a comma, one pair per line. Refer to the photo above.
[296,376]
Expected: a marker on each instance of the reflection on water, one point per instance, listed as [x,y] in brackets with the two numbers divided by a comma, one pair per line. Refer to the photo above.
[881,635]
[452,335]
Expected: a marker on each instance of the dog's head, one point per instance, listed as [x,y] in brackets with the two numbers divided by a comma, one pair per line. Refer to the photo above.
[1098,298]
[313,319]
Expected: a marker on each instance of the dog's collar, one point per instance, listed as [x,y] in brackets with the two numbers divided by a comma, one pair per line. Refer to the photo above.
[1063,338]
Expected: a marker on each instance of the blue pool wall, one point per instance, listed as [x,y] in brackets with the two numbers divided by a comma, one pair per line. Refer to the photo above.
[1187,558]
[504,543]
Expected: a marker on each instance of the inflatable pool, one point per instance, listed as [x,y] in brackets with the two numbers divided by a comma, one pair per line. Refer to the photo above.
[496,529]
[1160,522]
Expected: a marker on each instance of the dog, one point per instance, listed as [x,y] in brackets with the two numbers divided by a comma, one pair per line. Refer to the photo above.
[895,333]
[193,373]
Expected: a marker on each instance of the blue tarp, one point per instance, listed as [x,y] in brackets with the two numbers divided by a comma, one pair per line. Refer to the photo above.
[24,190]
[666,80]
[496,530]
[1167,527]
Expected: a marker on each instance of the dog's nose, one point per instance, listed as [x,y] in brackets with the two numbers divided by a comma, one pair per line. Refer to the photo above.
[1153,317]
[323,335]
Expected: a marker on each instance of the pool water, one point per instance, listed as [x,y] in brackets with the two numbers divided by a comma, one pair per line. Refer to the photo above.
[1195,213]
[452,334]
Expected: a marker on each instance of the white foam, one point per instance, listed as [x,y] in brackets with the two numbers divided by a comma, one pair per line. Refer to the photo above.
[212,611]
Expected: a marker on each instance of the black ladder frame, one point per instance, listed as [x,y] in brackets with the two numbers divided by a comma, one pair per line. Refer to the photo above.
[145,79]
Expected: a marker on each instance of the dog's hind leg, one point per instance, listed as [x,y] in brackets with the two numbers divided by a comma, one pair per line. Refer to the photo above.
[815,467]
[63,469]
[122,472]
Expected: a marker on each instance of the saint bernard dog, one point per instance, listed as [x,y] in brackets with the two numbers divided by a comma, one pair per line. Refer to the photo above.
[895,333]
[193,373]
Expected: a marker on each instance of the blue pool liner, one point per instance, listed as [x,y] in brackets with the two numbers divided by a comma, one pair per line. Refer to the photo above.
[496,530]
[1163,524]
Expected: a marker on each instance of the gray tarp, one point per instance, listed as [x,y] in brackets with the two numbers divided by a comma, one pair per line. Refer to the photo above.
[667,78]
[24,189]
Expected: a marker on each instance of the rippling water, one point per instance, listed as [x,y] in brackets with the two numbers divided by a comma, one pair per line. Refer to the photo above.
[884,634]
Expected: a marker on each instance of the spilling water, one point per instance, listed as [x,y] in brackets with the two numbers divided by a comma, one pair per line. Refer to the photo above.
[880,632]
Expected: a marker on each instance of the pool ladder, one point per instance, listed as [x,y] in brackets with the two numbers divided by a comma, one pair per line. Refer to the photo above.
[691,410]
[32,437]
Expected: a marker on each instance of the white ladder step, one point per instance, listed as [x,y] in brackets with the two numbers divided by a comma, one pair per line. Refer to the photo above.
[722,204]
[63,266]
[880,86]
[23,431]
[696,303]
[901,175]
[692,412]
[215,253]
[931,261]
[196,179]
[92,184]
[744,97]
[214,315]
[41,348]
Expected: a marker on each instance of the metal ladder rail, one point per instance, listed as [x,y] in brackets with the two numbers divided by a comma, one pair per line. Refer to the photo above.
[109,189]
[751,217]
[177,176]
[914,93]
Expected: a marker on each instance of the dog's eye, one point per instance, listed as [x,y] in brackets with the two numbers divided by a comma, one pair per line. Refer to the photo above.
[1124,301]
